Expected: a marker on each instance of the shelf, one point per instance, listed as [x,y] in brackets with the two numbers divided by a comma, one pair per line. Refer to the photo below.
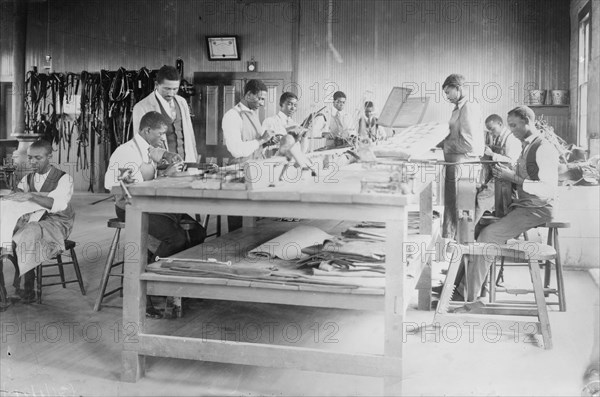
[548,106]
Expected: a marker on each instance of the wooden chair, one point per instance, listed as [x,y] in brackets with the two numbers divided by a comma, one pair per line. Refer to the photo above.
[70,248]
[533,253]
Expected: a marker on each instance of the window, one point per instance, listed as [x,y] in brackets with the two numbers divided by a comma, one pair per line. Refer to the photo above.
[585,45]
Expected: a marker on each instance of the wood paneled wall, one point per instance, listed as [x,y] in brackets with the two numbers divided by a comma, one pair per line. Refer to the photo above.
[502,47]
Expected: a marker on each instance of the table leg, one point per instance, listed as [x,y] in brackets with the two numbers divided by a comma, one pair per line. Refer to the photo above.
[134,297]
[396,231]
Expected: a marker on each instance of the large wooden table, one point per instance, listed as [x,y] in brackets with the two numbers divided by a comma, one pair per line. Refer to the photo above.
[336,198]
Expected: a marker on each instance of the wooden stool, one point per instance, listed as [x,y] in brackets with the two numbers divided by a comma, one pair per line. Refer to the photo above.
[532,252]
[552,241]
[69,246]
[110,263]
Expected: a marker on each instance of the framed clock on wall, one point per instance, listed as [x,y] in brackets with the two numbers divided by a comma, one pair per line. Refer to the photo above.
[222,48]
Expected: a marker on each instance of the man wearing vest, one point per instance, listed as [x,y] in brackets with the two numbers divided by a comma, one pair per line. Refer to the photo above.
[501,145]
[536,177]
[40,236]
[180,137]
[242,132]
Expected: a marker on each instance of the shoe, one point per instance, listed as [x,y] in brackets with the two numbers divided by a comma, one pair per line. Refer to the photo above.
[152,312]
[26,297]
[5,305]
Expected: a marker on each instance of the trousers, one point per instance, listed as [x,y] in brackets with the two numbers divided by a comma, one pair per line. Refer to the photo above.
[517,221]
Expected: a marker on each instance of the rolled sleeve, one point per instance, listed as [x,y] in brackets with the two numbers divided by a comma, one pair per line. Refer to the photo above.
[121,158]
[232,135]
[62,194]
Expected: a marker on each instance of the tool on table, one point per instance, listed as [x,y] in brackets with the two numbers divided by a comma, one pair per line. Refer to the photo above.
[123,175]
[212,261]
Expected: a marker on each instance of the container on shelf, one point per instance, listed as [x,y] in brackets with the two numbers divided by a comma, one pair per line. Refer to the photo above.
[559,97]
[537,97]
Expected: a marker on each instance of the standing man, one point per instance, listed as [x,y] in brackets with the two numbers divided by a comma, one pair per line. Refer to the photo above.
[41,235]
[242,132]
[282,122]
[536,177]
[340,124]
[465,142]
[180,137]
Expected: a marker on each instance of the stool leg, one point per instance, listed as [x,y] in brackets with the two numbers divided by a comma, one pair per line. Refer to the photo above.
[107,267]
[540,301]
[61,270]
[38,272]
[448,289]
[548,265]
[560,282]
[500,278]
[492,279]
[77,271]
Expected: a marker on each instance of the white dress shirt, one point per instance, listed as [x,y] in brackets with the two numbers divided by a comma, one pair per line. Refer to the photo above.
[133,154]
[278,123]
[233,129]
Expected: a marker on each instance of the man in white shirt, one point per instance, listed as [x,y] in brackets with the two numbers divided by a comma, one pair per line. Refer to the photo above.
[340,124]
[368,125]
[283,122]
[139,155]
[40,236]
[501,145]
[179,138]
[243,134]
[536,177]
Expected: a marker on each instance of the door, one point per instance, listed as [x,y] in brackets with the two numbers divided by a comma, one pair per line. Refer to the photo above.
[219,92]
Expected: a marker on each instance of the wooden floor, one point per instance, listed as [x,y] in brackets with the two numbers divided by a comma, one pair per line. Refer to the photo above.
[61,347]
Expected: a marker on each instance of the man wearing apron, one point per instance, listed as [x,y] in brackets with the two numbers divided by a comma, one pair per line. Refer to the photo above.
[180,137]
[140,156]
[243,133]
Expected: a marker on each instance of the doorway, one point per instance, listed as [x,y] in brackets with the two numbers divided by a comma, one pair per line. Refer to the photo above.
[219,92]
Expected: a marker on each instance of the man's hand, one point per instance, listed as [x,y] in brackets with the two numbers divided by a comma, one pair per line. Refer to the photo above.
[266,136]
[172,157]
[174,169]
[502,172]
[19,196]
[488,152]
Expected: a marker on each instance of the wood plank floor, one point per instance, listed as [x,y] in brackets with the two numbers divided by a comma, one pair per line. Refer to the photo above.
[61,347]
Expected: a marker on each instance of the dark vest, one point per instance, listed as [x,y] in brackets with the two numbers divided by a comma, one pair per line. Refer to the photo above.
[175,139]
[527,168]
[64,218]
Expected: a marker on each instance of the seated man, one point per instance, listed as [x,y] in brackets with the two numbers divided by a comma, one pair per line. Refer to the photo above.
[341,123]
[139,156]
[40,236]
[368,127]
[501,145]
[536,177]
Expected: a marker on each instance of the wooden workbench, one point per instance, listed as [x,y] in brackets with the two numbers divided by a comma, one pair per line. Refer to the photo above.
[336,197]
